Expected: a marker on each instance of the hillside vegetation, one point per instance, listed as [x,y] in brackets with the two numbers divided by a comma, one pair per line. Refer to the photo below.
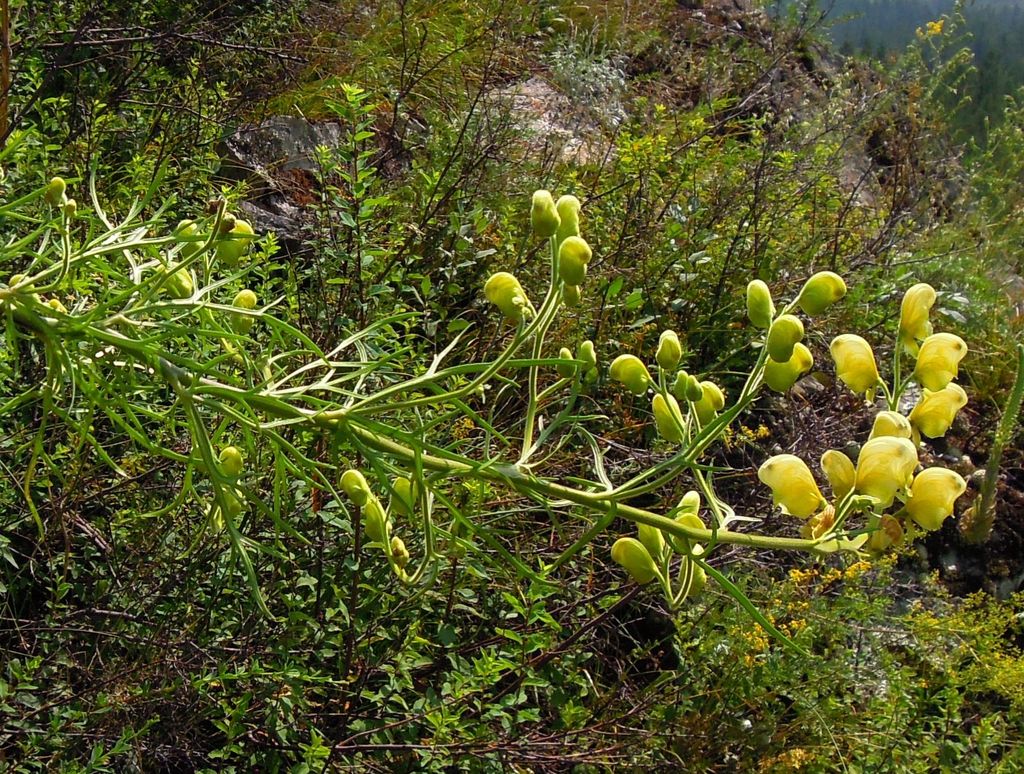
[432,386]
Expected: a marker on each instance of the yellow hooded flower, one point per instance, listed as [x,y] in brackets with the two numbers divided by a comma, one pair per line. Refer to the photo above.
[670,350]
[543,215]
[935,411]
[630,371]
[504,291]
[840,472]
[914,325]
[889,532]
[783,336]
[891,423]
[938,360]
[820,292]
[631,554]
[571,295]
[568,208]
[855,363]
[652,540]
[712,401]
[932,496]
[781,376]
[573,257]
[884,467]
[760,308]
[793,487]
[668,418]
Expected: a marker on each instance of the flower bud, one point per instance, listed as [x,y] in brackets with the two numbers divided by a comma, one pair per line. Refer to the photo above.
[405,497]
[231,461]
[543,215]
[179,284]
[186,232]
[571,295]
[760,308]
[399,553]
[70,209]
[375,520]
[885,466]
[783,336]
[692,389]
[712,401]
[793,487]
[820,292]
[781,376]
[938,360]
[588,355]
[652,540]
[840,472]
[689,505]
[566,370]
[54,194]
[855,363]
[504,291]
[668,418]
[698,580]
[670,351]
[890,423]
[227,222]
[353,484]
[914,325]
[242,323]
[573,257]
[57,306]
[234,243]
[631,554]
[631,372]
[932,496]
[935,411]
[568,208]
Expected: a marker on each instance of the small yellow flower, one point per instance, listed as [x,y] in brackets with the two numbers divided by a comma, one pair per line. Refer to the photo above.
[668,418]
[891,423]
[543,215]
[793,487]
[840,472]
[670,350]
[568,208]
[631,372]
[884,467]
[820,292]
[932,496]
[760,308]
[938,360]
[783,336]
[781,376]
[935,411]
[914,325]
[631,554]
[855,363]
[935,27]
[711,402]
[504,291]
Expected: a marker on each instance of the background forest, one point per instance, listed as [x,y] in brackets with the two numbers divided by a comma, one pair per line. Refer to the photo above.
[265,269]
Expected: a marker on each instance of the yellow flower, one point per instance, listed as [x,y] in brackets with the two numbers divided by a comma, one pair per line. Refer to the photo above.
[793,487]
[819,524]
[670,351]
[840,472]
[631,554]
[884,467]
[573,257]
[891,423]
[935,27]
[783,336]
[932,496]
[504,291]
[855,363]
[668,418]
[571,295]
[889,532]
[711,402]
[781,376]
[568,208]
[935,411]
[820,292]
[938,360]
[914,325]
[631,372]
[760,309]
[543,215]
[652,540]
